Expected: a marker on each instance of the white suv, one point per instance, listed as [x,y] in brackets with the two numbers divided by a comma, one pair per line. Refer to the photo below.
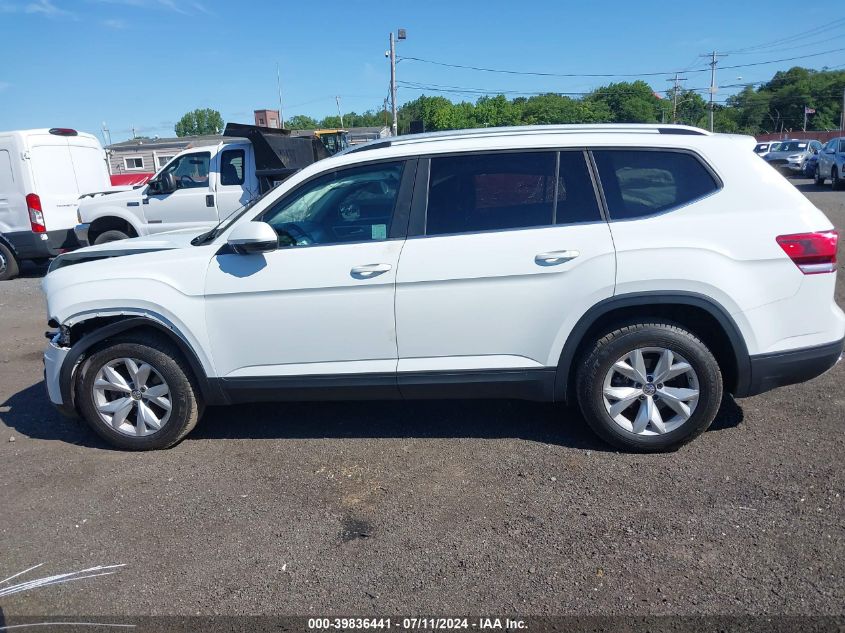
[638,270]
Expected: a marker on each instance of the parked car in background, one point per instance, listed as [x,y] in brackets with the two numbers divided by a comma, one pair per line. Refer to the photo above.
[765,147]
[832,163]
[42,174]
[810,166]
[638,270]
[790,155]
[199,187]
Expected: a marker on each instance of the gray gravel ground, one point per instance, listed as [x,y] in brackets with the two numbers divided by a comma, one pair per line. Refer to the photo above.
[422,508]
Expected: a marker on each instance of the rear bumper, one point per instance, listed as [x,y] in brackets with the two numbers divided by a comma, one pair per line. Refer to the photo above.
[29,245]
[769,371]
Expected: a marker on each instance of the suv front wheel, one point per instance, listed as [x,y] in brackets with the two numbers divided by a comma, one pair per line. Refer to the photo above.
[138,394]
[649,387]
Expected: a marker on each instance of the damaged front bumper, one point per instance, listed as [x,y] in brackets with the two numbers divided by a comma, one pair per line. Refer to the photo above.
[54,359]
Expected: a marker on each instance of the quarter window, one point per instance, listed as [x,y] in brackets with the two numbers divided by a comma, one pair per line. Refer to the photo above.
[232,167]
[352,205]
[637,183]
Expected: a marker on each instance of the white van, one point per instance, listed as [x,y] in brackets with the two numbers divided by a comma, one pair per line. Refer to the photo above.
[42,174]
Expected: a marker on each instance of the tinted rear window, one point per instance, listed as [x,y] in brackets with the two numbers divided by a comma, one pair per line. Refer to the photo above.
[643,182]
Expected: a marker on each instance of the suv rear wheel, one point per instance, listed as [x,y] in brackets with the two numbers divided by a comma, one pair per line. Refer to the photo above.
[138,394]
[649,387]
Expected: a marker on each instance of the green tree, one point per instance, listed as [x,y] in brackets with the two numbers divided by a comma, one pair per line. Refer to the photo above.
[200,121]
[301,122]
[628,102]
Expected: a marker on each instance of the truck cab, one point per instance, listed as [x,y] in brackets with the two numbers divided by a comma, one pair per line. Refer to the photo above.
[199,187]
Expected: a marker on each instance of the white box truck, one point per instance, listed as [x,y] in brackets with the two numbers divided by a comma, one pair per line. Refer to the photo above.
[42,174]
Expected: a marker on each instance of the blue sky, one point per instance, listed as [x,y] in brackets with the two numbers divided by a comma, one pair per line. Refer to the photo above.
[144,63]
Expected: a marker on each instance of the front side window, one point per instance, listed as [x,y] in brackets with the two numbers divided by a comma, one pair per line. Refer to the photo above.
[637,183]
[841,146]
[484,192]
[190,170]
[232,167]
[351,205]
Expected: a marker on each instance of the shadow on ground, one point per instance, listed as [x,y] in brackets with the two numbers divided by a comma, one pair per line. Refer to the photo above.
[30,414]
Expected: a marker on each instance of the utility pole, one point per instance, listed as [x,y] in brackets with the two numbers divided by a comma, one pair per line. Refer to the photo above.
[675,88]
[339,115]
[401,35]
[714,59]
[395,125]
[279,86]
[106,134]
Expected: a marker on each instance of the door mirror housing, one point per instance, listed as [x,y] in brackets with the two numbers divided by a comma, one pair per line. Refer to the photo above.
[253,237]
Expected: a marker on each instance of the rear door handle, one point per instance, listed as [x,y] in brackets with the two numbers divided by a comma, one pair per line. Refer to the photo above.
[553,258]
[367,271]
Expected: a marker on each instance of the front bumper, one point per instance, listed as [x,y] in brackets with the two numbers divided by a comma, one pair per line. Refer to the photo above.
[81,231]
[29,245]
[54,358]
[778,369]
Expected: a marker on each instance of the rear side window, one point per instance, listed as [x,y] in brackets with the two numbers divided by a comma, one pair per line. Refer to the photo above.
[637,183]
[508,190]
[576,197]
[232,167]
[483,192]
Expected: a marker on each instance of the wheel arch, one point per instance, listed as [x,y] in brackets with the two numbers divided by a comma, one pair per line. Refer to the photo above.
[703,316]
[111,219]
[91,333]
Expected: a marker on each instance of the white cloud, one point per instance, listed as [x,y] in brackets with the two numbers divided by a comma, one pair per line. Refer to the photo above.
[46,8]
[177,6]
[114,23]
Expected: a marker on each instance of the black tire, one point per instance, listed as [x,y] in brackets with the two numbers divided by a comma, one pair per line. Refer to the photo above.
[818,180]
[598,361]
[110,236]
[186,407]
[835,182]
[9,267]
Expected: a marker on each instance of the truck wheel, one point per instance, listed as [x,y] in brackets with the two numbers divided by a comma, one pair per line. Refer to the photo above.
[138,394]
[649,387]
[110,236]
[8,263]
[835,183]
[818,179]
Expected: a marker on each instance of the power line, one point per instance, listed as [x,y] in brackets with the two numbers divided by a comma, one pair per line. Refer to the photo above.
[645,74]
[539,74]
[793,38]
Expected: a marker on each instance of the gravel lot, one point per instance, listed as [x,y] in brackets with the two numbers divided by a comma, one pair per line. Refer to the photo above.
[428,508]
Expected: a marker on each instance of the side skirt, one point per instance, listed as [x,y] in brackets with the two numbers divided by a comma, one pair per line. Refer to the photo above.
[520,384]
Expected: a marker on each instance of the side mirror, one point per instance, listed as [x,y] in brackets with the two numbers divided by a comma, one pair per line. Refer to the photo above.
[168,183]
[253,237]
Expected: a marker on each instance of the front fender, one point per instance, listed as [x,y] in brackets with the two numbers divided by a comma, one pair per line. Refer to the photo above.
[134,218]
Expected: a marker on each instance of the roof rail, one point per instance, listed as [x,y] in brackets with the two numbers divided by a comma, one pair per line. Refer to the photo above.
[519,130]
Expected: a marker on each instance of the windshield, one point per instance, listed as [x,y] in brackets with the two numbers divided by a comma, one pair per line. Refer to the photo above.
[792,147]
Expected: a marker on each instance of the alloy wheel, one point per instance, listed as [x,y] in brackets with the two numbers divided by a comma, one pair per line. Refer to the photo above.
[132,397]
[650,391]
[4,264]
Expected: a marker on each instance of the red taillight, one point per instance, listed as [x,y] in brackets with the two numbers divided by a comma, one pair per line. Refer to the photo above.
[813,253]
[36,215]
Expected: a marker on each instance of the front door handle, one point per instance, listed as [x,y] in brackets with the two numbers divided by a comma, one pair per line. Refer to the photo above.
[209,200]
[368,271]
[554,258]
